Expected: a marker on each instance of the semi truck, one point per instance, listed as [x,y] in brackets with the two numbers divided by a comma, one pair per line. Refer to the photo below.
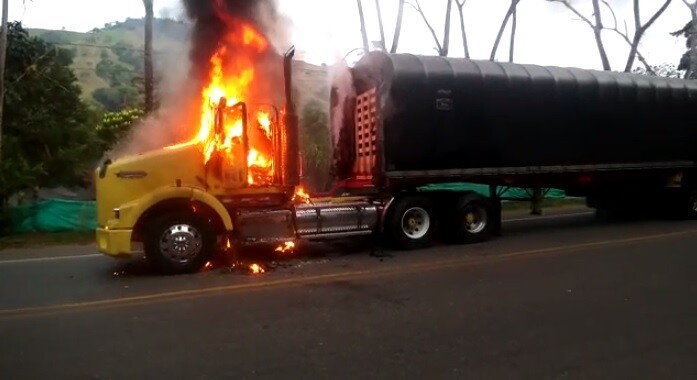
[626,142]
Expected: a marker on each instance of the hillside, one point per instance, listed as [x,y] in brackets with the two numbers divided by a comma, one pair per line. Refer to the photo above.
[109,60]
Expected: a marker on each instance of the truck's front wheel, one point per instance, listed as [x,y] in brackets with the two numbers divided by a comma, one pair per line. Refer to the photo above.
[179,243]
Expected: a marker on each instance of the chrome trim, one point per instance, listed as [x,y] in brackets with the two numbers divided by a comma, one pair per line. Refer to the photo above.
[135,174]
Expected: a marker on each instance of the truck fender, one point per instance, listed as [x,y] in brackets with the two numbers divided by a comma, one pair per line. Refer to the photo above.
[132,212]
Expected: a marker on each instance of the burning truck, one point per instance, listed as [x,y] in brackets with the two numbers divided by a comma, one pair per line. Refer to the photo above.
[623,141]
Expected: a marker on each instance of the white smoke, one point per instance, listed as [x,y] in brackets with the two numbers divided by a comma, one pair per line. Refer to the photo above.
[175,119]
[342,82]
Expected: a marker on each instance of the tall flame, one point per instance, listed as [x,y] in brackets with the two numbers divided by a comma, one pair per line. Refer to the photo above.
[231,77]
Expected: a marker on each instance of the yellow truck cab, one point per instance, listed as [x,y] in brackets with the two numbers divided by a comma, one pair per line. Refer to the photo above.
[182,202]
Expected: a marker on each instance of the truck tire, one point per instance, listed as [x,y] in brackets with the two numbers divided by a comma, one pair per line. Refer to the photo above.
[692,204]
[411,224]
[475,219]
[178,243]
[688,207]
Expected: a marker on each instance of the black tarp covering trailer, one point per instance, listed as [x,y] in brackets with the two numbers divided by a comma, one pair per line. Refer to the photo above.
[422,119]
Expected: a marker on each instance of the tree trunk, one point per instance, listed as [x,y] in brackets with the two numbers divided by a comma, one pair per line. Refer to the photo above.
[364,33]
[514,24]
[640,30]
[446,32]
[382,30]
[3,57]
[597,30]
[692,69]
[398,27]
[148,64]
[465,45]
[439,47]
[509,13]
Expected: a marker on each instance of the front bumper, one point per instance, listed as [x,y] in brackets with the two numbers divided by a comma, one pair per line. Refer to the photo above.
[116,243]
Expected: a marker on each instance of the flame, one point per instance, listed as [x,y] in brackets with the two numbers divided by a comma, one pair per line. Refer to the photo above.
[264,120]
[231,78]
[256,269]
[208,265]
[285,247]
[301,195]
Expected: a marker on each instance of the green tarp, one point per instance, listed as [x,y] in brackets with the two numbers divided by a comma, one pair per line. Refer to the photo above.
[54,215]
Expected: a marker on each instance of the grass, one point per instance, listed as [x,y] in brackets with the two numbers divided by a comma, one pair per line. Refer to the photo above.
[46,239]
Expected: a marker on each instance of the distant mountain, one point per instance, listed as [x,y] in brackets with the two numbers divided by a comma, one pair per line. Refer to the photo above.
[108,61]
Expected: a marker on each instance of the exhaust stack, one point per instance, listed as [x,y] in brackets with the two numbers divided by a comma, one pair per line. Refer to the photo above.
[291,133]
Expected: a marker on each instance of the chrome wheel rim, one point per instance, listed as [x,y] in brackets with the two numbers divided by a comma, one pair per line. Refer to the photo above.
[181,243]
[415,223]
[475,219]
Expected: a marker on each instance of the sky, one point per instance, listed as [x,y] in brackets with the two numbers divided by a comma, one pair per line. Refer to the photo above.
[326,30]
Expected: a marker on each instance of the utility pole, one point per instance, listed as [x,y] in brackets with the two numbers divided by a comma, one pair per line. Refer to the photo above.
[3,56]
[148,67]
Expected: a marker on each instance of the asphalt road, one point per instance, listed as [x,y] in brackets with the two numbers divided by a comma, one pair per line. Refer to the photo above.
[562,297]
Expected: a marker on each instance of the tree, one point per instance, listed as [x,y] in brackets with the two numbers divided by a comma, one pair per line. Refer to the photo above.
[514,27]
[688,61]
[633,42]
[382,30]
[442,49]
[315,140]
[460,5]
[47,127]
[114,126]
[511,12]
[665,70]
[149,74]
[398,26]
[364,32]
[639,30]
[596,26]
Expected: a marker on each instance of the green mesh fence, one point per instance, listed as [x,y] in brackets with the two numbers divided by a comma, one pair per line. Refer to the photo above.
[54,215]
[513,192]
[57,215]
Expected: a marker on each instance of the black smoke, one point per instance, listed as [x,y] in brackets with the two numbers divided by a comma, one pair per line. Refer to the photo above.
[213,20]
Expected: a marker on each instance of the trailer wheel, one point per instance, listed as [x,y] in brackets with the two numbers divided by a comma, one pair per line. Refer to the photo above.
[475,219]
[412,223]
[691,206]
[179,243]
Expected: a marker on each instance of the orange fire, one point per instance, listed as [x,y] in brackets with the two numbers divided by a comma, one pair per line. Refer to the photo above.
[231,77]
[285,247]
[301,195]
[256,269]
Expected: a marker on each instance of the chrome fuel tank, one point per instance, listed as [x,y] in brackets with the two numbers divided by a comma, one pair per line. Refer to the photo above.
[332,220]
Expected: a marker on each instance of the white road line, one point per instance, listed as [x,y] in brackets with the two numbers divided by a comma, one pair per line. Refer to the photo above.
[55,258]
[73,257]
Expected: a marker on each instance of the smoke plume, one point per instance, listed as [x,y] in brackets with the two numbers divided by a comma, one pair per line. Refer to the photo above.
[172,122]
[214,23]
[215,20]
